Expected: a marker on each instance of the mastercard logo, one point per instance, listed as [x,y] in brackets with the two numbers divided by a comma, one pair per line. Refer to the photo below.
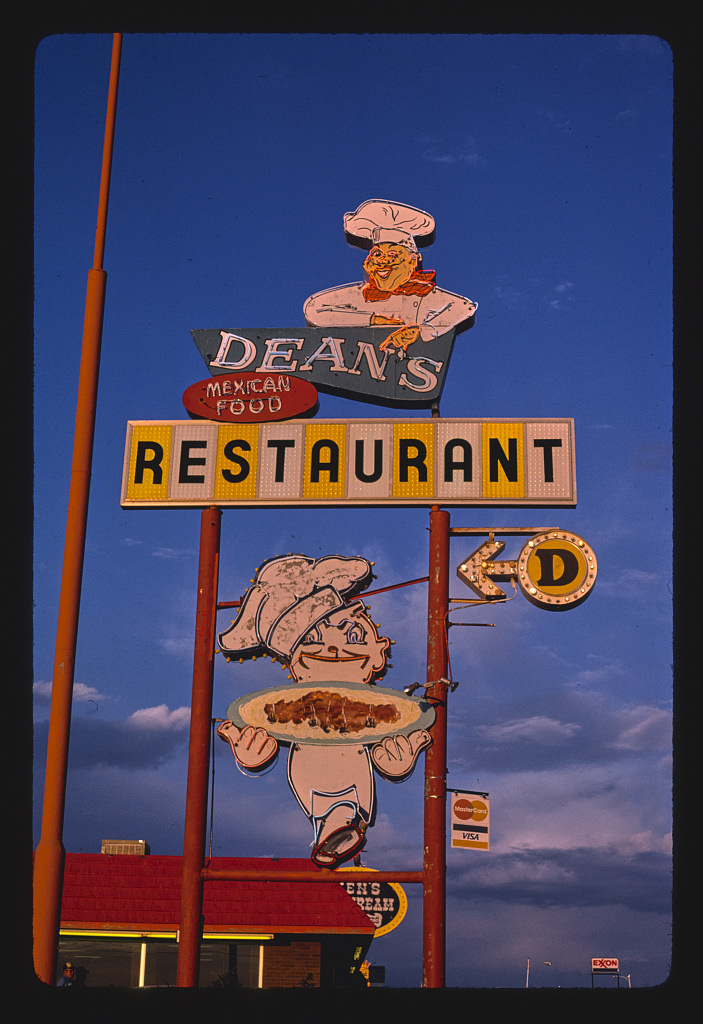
[463,809]
[470,810]
[480,811]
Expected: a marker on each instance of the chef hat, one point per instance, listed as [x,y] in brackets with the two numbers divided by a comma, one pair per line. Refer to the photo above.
[290,594]
[378,220]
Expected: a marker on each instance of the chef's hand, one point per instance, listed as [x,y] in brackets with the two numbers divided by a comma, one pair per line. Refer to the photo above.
[395,756]
[253,748]
[402,339]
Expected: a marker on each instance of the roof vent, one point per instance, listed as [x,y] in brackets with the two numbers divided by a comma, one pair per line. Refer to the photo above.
[135,847]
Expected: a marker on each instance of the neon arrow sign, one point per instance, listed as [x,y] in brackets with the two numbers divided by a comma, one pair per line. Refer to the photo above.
[555,570]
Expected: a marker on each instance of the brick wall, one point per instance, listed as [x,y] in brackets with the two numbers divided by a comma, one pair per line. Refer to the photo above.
[290,966]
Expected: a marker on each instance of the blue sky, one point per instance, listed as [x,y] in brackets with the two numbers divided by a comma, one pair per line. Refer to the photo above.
[546,162]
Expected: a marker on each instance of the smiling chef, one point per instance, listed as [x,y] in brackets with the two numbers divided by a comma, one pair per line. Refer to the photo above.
[300,610]
[398,291]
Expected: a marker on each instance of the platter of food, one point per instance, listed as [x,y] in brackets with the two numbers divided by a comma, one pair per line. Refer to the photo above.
[331,713]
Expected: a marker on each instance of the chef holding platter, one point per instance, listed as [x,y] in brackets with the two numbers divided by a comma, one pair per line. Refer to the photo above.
[301,611]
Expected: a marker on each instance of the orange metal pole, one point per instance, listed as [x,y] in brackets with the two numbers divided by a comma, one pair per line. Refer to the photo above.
[195,829]
[50,854]
[321,875]
[435,855]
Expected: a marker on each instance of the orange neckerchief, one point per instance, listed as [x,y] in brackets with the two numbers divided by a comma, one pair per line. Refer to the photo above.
[421,283]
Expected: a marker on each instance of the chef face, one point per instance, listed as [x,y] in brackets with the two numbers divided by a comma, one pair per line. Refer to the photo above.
[344,647]
[389,265]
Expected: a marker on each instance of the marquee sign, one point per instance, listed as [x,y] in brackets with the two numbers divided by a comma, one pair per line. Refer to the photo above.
[326,463]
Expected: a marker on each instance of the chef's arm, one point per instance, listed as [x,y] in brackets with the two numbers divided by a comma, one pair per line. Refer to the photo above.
[323,310]
[446,310]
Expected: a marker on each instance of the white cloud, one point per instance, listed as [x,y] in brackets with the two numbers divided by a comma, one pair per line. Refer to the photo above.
[647,842]
[81,693]
[160,717]
[460,152]
[180,646]
[639,576]
[632,584]
[510,295]
[564,293]
[584,806]
[645,728]
[537,729]
[590,677]
[171,553]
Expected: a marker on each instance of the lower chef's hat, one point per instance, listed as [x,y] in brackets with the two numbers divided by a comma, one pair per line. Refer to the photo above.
[289,595]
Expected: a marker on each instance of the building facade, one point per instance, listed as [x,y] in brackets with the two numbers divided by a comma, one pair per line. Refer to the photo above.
[121,910]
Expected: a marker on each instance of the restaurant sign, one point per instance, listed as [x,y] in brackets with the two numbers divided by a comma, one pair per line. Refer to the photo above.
[555,569]
[326,463]
[348,361]
[339,726]
[250,398]
[386,339]
[384,902]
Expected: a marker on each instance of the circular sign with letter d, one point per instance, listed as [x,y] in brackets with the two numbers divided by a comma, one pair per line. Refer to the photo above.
[556,570]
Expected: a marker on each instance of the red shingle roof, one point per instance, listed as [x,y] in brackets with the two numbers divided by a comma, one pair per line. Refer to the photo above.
[134,893]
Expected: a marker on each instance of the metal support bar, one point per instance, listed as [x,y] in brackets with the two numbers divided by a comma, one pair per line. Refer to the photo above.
[435,855]
[195,830]
[50,855]
[508,531]
[323,875]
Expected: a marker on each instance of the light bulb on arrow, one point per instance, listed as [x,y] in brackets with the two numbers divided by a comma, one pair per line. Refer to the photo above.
[480,570]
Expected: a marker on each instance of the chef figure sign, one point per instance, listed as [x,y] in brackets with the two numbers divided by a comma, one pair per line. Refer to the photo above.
[338,724]
[398,291]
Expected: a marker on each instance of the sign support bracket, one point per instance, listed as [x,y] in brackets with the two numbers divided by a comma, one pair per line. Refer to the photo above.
[195,828]
[433,874]
[435,827]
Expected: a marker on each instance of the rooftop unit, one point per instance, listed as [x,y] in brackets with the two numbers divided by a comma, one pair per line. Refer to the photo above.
[134,847]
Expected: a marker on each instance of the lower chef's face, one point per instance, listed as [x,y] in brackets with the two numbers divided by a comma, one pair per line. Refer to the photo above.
[344,647]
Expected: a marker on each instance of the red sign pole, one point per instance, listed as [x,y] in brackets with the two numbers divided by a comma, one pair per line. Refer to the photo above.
[435,855]
[50,854]
[195,830]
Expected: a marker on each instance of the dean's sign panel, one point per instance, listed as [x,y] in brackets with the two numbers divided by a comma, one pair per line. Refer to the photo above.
[355,362]
[318,463]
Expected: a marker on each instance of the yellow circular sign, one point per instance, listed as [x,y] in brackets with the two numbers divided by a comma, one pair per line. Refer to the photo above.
[556,570]
[384,902]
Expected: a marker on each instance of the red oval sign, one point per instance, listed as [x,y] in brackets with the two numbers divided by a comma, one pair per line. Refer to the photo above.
[250,397]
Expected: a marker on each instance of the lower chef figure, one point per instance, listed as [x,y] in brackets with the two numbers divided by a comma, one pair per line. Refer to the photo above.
[302,611]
